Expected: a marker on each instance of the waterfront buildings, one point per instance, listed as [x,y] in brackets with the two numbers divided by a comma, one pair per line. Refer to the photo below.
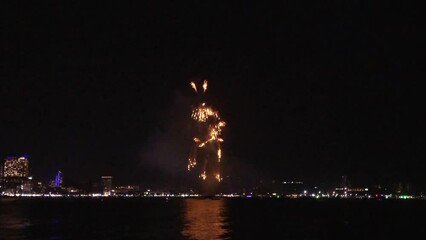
[106,184]
[15,175]
[16,167]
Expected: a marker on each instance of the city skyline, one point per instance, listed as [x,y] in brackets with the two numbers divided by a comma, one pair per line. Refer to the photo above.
[309,93]
[17,178]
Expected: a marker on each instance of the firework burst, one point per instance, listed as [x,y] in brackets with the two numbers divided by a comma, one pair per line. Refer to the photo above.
[207,143]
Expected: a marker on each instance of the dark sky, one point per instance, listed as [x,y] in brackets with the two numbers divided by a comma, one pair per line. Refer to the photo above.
[309,91]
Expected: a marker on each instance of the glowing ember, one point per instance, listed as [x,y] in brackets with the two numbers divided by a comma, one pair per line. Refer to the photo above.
[208,140]
[193,86]
[205,85]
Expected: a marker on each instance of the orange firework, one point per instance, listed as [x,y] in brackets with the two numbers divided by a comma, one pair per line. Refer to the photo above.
[207,142]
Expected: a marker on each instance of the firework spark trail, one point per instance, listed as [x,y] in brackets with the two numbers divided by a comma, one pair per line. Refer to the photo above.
[194,87]
[208,118]
[205,85]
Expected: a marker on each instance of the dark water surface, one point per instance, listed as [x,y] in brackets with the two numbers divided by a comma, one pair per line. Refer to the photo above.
[178,218]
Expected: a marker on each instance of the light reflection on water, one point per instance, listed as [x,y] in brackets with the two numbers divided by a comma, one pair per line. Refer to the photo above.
[177,219]
[204,219]
[13,221]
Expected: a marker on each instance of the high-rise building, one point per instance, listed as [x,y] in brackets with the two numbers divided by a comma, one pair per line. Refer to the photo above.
[106,183]
[58,179]
[16,177]
[16,167]
[1,176]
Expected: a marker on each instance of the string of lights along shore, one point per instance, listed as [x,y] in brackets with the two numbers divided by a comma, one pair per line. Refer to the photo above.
[206,147]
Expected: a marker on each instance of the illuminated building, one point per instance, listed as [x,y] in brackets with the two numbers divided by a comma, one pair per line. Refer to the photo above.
[58,179]
[290,188]
[16,167]
[26,185]
[1,177]
[122,190]
[106,183]
[16,175]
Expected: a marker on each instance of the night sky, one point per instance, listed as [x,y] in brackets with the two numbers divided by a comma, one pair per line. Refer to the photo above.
[308,91]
